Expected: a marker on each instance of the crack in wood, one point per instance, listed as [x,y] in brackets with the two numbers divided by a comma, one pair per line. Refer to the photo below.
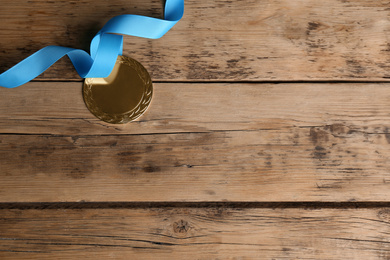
[232,205]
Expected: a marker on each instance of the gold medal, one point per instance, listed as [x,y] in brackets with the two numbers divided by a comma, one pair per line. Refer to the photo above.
[121,97]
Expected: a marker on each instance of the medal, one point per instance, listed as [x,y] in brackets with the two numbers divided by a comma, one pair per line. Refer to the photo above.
[116,89]
[121,97]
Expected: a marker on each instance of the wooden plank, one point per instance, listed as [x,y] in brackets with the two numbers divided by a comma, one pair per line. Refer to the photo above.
[241,142]
[212,233]
[58,108]
[217,40]
[217,166]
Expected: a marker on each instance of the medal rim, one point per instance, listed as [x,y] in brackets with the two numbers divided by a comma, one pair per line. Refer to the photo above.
[128,116]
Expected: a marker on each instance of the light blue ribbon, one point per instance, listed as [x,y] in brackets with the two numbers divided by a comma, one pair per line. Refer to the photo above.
[105,47]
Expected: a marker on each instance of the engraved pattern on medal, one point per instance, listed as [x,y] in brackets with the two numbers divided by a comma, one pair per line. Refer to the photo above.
[128,116]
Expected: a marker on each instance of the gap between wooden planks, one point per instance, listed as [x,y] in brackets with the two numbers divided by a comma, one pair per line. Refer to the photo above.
[216,40]
[199,142]
[188,233]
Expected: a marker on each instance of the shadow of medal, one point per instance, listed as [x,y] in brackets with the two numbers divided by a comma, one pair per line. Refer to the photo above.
[121,97]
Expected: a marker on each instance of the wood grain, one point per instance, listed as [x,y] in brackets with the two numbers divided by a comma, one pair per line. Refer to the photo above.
[259,150]
[215,166]
[57,108]
[200,142]
[216,40]
[212,233]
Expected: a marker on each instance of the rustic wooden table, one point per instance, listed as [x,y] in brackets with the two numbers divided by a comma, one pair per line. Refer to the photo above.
[268,136]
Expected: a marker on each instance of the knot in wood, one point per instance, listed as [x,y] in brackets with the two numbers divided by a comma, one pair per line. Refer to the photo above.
[181,226]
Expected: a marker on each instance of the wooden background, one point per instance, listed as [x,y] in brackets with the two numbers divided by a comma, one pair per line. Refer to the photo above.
[268,136]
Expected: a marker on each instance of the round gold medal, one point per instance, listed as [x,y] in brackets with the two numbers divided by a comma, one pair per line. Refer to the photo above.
[121,97]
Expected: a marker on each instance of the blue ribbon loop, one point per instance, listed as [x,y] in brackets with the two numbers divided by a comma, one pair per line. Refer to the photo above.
[105,47]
